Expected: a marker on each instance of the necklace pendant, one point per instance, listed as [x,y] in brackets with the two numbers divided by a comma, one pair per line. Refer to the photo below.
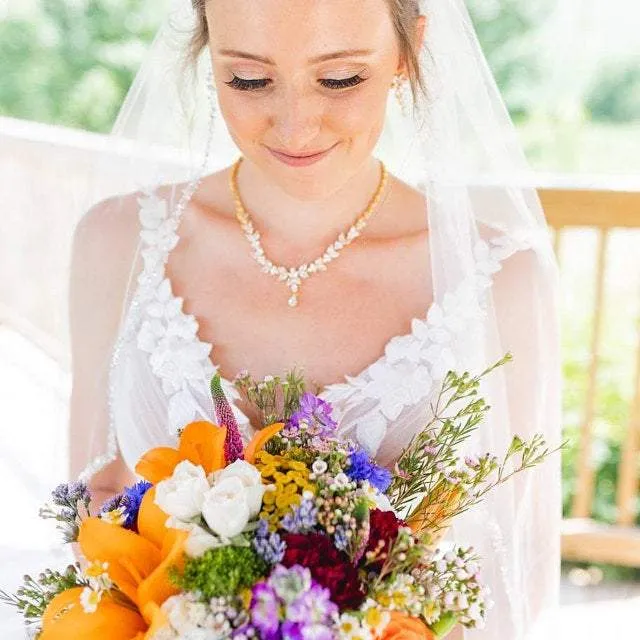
[293,300]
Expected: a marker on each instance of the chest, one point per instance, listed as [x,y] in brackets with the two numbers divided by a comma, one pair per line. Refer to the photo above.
[345,316]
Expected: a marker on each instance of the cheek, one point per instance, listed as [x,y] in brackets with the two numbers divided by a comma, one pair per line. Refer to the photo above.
[361,115]
[244,116]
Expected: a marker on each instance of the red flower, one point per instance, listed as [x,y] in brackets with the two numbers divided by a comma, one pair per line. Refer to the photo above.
[329,567]
[383,526]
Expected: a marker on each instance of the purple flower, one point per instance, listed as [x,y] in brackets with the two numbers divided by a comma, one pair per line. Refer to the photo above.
[132,500]
[316,412]
[303,517]
[313,606]
[264,611]
[340,538]
[290,582]
[245,632]
[269,545]
[362,468]
[68,494]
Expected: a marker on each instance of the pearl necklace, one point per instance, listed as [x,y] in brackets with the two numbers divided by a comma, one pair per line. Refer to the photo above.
[294,276]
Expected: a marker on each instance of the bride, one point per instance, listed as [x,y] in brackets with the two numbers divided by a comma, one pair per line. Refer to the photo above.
[335,185]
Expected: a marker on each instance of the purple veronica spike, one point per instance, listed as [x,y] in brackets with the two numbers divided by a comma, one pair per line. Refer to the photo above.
[233,449]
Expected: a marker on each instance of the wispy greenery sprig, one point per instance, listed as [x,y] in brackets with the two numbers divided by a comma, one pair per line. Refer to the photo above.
[33,597]
[274,397]
[430,469]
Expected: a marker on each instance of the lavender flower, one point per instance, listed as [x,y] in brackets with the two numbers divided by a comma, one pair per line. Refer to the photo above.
[70,505]
[340,539]
[267,544]
[362,468]
[66,495]
[303,518]
[317,413]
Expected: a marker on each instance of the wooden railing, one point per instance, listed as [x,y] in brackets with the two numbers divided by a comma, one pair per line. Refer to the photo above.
[583,539]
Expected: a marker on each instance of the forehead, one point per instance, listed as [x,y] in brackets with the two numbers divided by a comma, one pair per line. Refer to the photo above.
[280,28]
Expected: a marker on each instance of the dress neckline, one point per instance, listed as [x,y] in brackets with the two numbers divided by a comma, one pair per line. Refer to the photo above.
[403,376]
[326,390]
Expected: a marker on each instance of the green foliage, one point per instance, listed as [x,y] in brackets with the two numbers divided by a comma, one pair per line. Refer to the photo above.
[222,571]
[614,95]
[72,62]
[507,30]
[32,598]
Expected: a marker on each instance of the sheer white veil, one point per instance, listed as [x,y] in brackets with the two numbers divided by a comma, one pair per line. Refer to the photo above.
[461,149]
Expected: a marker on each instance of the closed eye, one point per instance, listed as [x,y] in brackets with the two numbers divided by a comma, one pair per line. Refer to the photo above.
[243,84]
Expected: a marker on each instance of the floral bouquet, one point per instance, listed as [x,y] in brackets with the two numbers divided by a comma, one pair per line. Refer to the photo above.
[298,535]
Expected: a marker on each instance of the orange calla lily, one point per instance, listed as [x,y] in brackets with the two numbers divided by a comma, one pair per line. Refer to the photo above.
[260,439]
[404,627]
[138,564]
[202,443]
[65,618]
[151,519]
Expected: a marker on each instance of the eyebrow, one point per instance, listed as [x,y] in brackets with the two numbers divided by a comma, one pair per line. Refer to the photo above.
[346,53]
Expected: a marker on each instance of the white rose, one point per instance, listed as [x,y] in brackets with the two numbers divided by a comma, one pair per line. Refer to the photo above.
[200,541]
[251,480]
[226,507]
[182,494]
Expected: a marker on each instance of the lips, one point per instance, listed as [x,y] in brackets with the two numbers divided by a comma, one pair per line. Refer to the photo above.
[300,155]
[300,160]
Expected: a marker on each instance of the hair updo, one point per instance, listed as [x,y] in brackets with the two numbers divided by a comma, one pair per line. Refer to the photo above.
[403,14]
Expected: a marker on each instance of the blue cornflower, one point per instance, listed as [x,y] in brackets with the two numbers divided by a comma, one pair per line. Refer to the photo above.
[132,498]
[269,545]
[129,500]
[362,468]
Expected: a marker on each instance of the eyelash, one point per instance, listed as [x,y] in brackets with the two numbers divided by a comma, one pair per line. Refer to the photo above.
[254,85]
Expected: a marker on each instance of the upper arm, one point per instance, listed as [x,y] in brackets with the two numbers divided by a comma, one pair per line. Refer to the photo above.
[103,255]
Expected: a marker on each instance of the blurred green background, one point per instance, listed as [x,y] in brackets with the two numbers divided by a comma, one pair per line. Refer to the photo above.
[569,73]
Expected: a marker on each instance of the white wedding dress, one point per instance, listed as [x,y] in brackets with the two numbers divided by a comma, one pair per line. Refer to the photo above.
[161,368]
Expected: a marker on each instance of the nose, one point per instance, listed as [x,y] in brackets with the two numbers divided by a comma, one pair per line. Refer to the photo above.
[297,119]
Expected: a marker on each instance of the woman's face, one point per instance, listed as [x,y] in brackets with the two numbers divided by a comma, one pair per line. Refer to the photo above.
[301,77]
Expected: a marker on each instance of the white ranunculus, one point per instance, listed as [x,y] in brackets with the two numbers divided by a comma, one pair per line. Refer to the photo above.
[226,507]
[182,494]
[251,480]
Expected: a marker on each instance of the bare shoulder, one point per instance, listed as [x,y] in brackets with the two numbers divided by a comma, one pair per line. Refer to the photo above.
[106,226]
[406,211]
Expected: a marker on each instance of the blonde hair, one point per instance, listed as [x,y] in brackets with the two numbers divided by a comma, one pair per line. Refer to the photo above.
[404,14]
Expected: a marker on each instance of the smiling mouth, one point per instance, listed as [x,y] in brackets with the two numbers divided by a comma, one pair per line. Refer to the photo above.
[301,155]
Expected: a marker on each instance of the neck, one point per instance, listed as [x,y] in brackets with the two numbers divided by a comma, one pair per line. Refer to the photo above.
[302,224]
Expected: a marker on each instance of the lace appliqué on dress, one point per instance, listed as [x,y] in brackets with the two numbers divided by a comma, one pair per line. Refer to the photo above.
[176,355]
[412,364]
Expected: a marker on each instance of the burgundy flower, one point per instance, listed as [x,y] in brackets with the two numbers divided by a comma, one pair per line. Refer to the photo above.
[329,567]
[383,526]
